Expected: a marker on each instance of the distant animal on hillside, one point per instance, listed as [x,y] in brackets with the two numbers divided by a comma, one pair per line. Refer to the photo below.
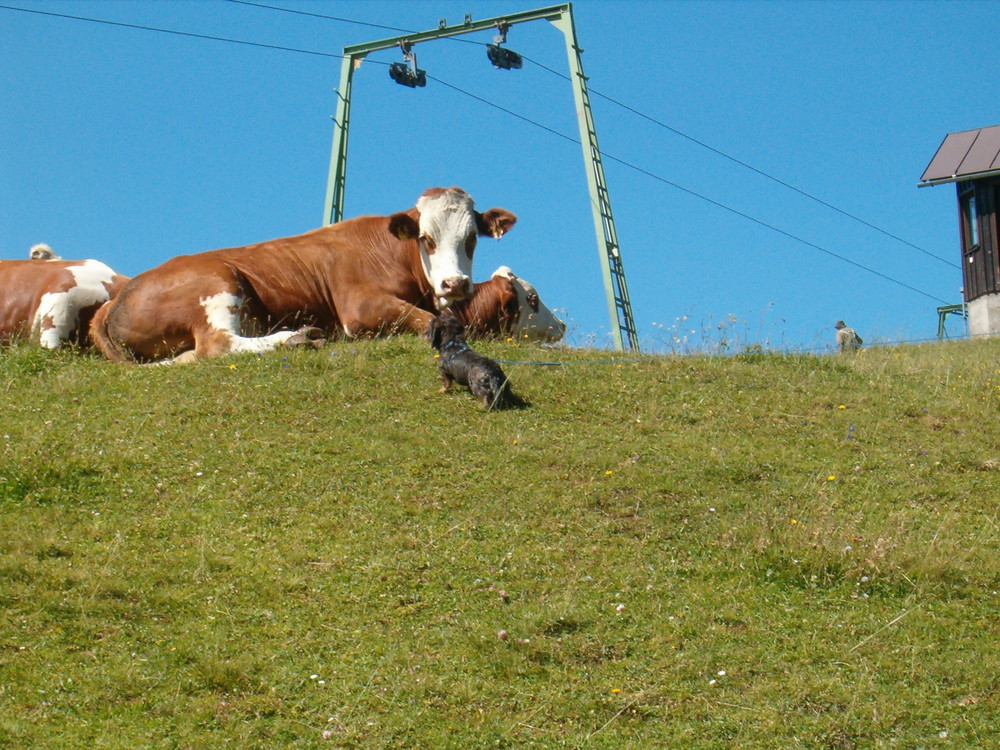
[359,277]
[54,300]
[459,363]
[847,338]
[507,305]
[41,251]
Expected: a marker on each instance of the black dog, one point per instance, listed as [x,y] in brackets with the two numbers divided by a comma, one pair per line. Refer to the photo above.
[459,363]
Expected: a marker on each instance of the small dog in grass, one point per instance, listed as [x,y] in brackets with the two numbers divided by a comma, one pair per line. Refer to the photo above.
[460,364]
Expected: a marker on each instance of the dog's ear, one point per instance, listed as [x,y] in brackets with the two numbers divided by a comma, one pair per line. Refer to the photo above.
[434,333]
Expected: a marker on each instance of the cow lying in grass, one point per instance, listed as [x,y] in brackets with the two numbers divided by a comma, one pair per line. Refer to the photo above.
[53,299]
[507,305]
[358,277]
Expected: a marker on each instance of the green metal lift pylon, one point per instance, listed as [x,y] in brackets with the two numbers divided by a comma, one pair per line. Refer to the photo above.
[561,16]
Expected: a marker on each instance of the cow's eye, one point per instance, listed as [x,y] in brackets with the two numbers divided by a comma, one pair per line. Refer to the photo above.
[429,244]
[533,301]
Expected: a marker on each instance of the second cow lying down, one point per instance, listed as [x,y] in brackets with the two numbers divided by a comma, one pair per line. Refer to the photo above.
[359,276]
[507,305]
[52,301]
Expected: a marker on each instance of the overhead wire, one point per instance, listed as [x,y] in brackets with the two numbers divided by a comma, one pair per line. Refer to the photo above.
[326,17]
[534,123]
[310,14]
[749,166]
[190,34]
[648,118]
[695,194]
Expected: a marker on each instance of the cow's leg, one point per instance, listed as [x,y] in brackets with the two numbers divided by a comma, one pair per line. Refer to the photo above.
[261,343]
[307,335]
[385,314]
[222,331]
[181,359]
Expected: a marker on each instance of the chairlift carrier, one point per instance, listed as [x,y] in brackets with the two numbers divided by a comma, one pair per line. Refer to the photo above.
[561,16]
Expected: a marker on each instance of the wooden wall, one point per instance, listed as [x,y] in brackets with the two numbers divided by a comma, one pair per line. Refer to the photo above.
[980,262]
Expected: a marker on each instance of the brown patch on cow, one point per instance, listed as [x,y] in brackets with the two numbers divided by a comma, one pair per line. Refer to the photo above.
[492,310]
[436,192]
[212,344]
[510,309]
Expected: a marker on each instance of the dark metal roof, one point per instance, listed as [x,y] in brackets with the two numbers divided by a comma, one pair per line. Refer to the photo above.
[965,156]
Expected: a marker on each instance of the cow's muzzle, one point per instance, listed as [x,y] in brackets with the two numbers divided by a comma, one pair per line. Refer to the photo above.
[456,288]
[555,332]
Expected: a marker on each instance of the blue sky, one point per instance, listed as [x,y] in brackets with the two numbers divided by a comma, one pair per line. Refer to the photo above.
[133,146]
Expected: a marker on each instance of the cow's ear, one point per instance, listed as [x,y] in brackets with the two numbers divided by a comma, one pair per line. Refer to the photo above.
[404,227]
[495,223]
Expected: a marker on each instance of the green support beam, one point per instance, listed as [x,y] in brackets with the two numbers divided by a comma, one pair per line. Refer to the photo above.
[337,179]
[944,311]
[561,16]
[615,289]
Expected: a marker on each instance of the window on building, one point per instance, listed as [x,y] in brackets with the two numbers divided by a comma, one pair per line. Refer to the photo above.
[970,222]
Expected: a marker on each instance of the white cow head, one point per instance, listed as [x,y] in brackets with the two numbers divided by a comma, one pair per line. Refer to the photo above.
[535,321]
[446,226]
[42,251]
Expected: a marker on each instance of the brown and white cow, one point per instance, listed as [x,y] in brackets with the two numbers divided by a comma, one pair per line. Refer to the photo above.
[53,299]
[358,277]
[507,305]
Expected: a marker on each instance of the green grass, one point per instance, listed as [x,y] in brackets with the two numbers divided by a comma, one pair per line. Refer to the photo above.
[757,551]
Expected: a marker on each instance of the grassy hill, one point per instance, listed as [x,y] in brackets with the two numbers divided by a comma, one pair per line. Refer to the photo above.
[319,550]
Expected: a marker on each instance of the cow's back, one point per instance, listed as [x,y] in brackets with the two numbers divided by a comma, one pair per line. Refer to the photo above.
[303,280]
[311,271]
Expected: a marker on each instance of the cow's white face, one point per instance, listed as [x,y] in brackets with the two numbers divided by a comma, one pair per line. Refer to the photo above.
[446,228]
[448,232]
[535,321]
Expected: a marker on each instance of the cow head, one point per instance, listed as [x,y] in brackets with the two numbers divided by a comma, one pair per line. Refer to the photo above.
[41,251]
[535,321]
[446,226]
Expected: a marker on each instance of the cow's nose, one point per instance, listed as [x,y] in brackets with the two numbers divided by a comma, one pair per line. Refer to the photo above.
[556,332]
[456,287]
